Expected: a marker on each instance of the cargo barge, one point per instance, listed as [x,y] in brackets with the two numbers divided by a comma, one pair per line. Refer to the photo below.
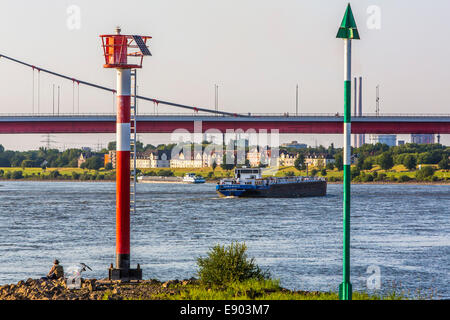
[248,182]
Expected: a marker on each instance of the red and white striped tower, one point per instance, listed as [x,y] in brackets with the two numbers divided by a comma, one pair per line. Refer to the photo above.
[123,169]
[116,50]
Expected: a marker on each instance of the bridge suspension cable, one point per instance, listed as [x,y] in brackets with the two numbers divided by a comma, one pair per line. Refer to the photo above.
[90,84]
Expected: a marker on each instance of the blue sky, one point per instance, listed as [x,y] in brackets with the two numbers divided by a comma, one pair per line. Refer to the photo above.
[256,51]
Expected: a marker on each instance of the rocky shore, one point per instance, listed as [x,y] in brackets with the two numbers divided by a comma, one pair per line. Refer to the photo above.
[92,289]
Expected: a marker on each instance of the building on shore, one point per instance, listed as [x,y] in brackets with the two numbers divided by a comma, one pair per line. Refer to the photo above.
[181,160]
[212,157]
[144,160]
[286,159]
[422,138]
[319,160]
[388,139]
[258,156]
[83,157]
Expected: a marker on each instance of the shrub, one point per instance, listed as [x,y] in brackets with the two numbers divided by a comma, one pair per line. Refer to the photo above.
[355,172]
[54,174]
[380,177]
[17,174]
[109,166]
[367,178]
[75,175]
[323,172]
[165,173]
[424,173]
[404,178]
[392,178]
[225,265]
[314,172]
[290,174]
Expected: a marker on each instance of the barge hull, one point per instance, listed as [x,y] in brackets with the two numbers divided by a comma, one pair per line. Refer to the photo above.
[288,190]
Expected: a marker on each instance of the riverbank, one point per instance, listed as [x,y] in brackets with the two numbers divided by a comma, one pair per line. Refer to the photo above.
[188,289]
[435,183]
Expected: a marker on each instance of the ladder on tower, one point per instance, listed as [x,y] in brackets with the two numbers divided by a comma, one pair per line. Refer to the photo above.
[133,139]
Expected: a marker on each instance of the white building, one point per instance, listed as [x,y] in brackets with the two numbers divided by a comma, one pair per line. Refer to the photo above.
[195,160]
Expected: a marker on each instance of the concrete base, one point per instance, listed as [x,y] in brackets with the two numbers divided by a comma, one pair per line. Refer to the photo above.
[125,274]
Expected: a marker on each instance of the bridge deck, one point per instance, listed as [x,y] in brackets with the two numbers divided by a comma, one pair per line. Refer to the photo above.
[320,124]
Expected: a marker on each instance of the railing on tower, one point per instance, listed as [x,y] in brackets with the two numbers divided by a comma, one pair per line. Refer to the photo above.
[133,139]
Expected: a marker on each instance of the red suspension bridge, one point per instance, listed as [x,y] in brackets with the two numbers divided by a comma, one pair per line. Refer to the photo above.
[306,124]
[214,119]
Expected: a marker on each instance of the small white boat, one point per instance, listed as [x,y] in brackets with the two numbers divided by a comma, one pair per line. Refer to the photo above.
[193,178]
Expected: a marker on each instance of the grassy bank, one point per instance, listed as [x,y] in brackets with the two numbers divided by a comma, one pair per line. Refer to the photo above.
[398,174]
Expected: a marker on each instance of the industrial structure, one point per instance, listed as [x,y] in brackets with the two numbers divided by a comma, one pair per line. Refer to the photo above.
[358,139]
[422,138]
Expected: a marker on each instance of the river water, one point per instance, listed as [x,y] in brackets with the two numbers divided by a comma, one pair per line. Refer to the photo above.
[402,231]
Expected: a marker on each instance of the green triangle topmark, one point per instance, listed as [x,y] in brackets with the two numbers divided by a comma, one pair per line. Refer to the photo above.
[348,28]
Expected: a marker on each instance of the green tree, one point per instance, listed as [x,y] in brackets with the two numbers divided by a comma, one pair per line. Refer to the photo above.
[109,166]
[225,165]
[323,172]
[339,162]
[94,163]
[386,161]
[444,163]
[299,163]
[410,162]
[4,161]
[112,145]
[367,164]
[360,162]
[27,164]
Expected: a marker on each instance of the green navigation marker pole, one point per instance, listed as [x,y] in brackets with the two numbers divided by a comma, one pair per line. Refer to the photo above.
[347,31]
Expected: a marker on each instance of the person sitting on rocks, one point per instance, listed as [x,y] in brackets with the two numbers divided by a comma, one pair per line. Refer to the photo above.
[56,272]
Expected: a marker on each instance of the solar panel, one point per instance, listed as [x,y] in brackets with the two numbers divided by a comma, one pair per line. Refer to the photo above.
[140,43]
